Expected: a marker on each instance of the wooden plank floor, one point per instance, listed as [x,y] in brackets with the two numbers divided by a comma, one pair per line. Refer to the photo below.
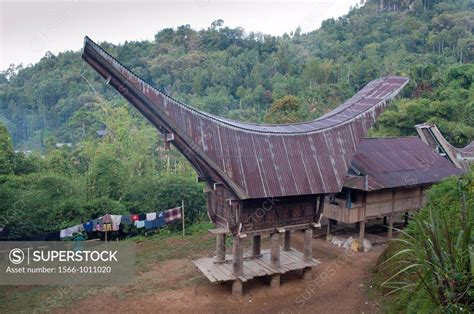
[253,267]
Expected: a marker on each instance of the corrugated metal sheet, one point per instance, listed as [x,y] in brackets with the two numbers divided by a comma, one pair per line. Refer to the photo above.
[468,150]
[397,162]
[461,157]
[256,160]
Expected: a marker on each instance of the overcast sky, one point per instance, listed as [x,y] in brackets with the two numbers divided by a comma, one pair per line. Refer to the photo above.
[31,28]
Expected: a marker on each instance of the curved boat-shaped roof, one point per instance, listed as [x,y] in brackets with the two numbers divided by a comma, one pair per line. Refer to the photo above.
[461,157]
[256,160]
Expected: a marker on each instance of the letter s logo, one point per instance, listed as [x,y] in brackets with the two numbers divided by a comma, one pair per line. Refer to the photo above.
[16,256]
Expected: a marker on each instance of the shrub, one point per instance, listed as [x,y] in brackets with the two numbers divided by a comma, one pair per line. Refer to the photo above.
[431,266]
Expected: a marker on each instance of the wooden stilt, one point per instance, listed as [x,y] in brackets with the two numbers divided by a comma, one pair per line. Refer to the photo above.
[237,288]
[307,252]
[275,258]
[275,249]
[385,220]
[329,228]
[220,248]
[307,274]
[390,227]
[237,265]
[275,281]
[307,247]
[238,256]
[287,241]
[256,246]
[406,218]
[361,234]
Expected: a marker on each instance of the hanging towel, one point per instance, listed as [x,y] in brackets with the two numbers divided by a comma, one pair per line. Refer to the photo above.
[151,216]
[107,227]
[68,232]
[150,224]
[94,224]
[140,224]
[98,224]
[126,220]
[160,219]
[141,217]
[116,219]
[107,218]
[74,229]
[134,217]
[88,226]
[172,214]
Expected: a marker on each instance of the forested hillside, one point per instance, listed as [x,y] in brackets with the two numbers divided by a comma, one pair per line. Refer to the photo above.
[240,74]
[229,72]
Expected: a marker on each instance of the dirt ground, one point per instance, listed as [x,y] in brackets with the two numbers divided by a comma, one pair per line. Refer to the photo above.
[340,284]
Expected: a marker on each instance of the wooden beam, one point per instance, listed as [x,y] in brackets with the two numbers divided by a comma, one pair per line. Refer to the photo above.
[282,229]
[362,228]
[256,246]
[307,274]
[320,208]
[220,248]
[275,281]
[237,257]
[287,241]
[232,201]
[219,231]
[390,227]
[237,288]
[307,245]
[275,258]
[390,224]
[307,252]
[362,232]
[275,249]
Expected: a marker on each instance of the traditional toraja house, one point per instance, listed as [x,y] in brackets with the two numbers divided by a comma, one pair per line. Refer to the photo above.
[388,176]
[261,179]
[462,158]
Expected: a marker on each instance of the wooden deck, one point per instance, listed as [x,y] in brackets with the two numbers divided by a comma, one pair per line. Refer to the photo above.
[253,267]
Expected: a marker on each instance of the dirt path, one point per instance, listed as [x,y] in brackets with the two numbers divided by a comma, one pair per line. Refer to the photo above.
[339,285]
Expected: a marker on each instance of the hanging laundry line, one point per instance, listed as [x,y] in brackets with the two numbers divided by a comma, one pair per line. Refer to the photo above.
[108,222]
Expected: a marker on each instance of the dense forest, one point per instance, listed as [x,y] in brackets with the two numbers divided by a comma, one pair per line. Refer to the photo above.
[240,75]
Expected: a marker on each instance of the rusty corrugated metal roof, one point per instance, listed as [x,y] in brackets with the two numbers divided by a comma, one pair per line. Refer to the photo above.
[461,157]
[468,150]
[256,160]
[397,162]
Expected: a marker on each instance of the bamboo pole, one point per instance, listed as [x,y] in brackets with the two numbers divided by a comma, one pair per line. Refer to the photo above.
[103,224]
[182,211]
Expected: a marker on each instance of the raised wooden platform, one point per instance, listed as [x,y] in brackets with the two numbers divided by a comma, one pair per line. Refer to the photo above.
[253,266]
